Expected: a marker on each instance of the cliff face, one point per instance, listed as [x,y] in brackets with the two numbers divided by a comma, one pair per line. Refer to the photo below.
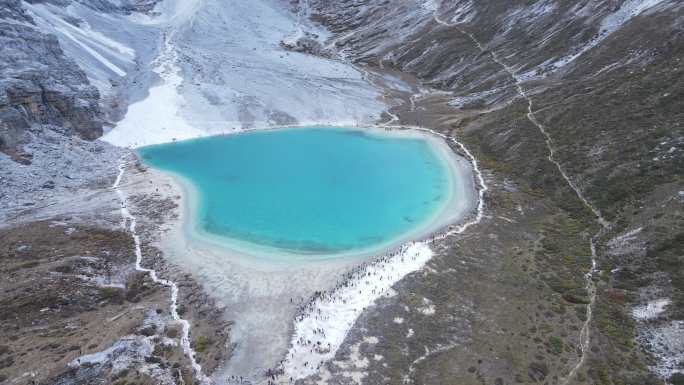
[39,85]
[71,66]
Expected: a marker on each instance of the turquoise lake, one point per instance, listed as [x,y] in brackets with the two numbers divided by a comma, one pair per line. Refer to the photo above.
[308,191]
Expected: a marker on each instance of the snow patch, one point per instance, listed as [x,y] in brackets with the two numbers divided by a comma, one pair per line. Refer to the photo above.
[156,119]
[651,310]
[430,5]
[355,368]
[121,355]
[529,12]
[325,321]
[611,23]
[100,47]
[428,307]
[466,100]
[463,13]
[429,310]
[666,342]
[626,243]
[223,69]
[127,352]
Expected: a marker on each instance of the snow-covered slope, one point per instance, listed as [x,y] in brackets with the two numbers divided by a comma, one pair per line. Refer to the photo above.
[222,68]
[106,45]
[194,68]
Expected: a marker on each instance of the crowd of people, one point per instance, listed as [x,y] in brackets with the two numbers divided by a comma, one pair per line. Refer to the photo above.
[367,276]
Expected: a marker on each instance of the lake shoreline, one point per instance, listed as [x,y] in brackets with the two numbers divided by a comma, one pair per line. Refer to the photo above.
[461,200]
[245,286]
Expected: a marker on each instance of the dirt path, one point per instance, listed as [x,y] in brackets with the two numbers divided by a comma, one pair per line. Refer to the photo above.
[585,335]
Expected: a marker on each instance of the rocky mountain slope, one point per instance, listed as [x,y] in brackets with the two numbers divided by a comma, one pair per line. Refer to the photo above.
[76,310]
[40,85]
[601,83]
[59,90]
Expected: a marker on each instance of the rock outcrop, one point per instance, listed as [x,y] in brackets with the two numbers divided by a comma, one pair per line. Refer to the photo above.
[39,86]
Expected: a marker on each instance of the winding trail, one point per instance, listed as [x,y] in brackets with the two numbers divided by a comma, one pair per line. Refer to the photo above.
[585,335]
[129,223]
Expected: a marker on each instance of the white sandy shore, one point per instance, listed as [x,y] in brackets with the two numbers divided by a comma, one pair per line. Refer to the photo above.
[263,297]
[459,202]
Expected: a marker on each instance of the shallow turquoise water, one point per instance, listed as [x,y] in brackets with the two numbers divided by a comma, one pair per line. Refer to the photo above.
[309,191]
